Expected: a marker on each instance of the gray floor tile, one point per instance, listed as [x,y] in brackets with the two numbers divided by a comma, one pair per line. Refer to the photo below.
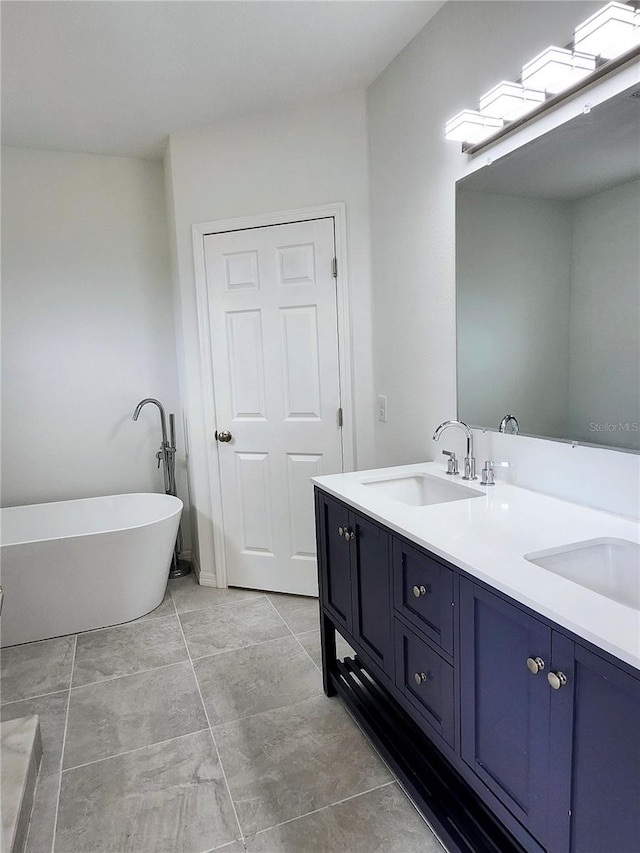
[231,626]
[52,711]
[130,712]
[36,668]
[167,798]
[311,642]
[259,678]
[189,595]
[286,763]
[43,815]
[165,608]
[299,612]
[380,821]
[127,649]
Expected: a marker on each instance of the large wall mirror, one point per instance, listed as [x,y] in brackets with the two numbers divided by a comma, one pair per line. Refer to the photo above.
[548,283]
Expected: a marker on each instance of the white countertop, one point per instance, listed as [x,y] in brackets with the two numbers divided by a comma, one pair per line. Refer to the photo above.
[488,537]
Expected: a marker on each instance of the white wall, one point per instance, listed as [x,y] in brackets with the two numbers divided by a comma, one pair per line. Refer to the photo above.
[605,317]
[465,50]
[302,157]
[513,279]
[87,326]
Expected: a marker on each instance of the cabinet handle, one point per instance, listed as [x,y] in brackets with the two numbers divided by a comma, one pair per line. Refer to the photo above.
[341,531]
[557,679]
[349,534]
[421,590]
[534,665]
[419,677]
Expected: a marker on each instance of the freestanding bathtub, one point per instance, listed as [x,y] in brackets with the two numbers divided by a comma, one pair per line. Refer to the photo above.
[75,565]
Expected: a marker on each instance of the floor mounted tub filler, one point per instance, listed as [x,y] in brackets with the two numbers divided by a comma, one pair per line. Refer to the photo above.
[71,566]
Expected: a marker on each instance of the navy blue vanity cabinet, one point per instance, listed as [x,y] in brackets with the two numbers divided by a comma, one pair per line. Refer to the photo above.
[551,728]
[355,580]
[504,706]
[334,559]
[595,753]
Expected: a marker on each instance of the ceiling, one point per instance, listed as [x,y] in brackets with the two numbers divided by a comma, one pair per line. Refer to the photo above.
[118,77]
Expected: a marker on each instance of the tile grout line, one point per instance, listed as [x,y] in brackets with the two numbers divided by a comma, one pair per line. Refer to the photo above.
[319,668]
[64,741]
[127,675]
[31,698]
[325,808]
[279,614]
[241,648]
[213,740]
[135,749]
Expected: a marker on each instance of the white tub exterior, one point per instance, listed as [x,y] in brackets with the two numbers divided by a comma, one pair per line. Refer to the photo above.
[76,565]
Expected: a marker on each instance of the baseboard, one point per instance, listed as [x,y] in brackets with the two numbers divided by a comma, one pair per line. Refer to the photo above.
[203,578]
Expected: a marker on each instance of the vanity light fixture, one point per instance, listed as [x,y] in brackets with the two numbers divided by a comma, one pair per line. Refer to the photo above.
[610,32]
[557,68]
[471,126]
[602,43]
[510,101]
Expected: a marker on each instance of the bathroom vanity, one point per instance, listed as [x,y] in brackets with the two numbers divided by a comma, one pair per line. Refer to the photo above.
[504,693]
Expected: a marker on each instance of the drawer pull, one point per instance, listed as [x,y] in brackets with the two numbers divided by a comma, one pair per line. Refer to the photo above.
[535,665]
[557,679]
[419,677]
[421,590]
[349,534]
[341,531]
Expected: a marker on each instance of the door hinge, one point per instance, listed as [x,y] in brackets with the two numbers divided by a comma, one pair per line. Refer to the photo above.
[334,267]
[340,416]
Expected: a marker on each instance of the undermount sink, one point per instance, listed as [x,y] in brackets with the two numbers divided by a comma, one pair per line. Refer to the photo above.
[421,489]
[610,567]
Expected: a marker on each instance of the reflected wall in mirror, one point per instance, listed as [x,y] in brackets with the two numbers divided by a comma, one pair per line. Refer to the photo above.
[548,283]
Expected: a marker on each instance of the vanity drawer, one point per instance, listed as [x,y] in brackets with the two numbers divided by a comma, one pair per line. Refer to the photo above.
[426,681]
[423,593]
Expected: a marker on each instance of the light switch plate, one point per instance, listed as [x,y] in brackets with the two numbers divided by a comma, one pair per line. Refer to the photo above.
[381,408]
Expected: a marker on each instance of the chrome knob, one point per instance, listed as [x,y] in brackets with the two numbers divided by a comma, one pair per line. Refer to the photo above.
[534,665]
[223,435]
[419,677]
[557,679]
[341,531]
[420,590]
[349,534]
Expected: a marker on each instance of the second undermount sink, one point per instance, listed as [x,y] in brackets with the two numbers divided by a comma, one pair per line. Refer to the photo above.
[421,489]
[608,566]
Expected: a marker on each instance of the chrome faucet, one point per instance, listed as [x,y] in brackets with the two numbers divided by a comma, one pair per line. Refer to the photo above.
[166,454]
[469,460]
[509,419]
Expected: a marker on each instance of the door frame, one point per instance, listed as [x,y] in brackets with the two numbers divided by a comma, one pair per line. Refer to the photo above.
[284,217]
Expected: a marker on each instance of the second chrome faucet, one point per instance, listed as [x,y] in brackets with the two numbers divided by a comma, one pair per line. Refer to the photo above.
[469,460]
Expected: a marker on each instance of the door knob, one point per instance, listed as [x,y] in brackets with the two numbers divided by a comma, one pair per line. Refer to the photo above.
[534,665]
[557,679]
[223,435]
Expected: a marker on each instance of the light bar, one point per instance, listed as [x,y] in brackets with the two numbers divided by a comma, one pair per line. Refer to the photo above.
[510,101]
[610,32]
[556,69]
[470,126]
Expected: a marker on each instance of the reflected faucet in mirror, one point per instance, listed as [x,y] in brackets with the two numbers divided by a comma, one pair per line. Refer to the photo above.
[469,460]
[510,424]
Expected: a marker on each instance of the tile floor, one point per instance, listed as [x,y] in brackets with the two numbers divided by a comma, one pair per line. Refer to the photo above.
[201,727]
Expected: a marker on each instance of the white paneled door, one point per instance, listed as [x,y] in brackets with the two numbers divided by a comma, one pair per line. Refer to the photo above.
[274,344]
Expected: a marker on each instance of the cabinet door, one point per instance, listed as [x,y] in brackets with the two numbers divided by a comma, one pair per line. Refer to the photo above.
[504,707]
[372,607]
[334,559]
[595,732]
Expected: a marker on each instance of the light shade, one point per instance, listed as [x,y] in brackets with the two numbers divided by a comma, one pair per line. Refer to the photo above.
[510,101]
[556,69]
[471,127]
[610,32]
